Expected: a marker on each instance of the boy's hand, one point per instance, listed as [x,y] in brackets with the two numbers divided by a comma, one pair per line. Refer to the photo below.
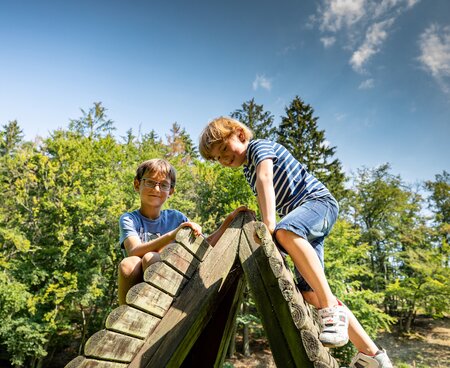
[196,228]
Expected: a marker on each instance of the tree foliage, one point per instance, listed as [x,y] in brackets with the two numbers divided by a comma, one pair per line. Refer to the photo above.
[299,133]
[62,197]
[257,119]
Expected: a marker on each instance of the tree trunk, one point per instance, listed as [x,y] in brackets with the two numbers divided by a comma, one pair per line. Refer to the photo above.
[232,346]
[246,330]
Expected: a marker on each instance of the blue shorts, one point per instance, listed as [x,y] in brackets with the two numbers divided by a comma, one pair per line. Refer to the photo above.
[313,221]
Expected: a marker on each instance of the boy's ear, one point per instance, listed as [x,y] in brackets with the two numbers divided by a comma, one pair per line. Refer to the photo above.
[136,185]
[171,191]
[241,134]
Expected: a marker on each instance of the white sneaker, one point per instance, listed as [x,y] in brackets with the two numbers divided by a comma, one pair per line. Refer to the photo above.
[380,360]
[335,326]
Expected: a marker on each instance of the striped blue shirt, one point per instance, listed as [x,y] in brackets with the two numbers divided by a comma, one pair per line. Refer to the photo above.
[292,183]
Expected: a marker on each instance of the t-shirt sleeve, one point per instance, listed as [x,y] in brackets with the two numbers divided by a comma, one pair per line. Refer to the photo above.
[127,227]
[260,151]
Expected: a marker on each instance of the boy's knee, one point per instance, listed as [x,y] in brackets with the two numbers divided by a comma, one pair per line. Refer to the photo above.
[150,258]
[129,265]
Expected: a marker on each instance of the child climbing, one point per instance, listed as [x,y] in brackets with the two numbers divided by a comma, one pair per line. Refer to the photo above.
[308,211]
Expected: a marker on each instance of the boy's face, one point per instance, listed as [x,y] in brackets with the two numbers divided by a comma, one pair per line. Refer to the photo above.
[154,189]
[232,152]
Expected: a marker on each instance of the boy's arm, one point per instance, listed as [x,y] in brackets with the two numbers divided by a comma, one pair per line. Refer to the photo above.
[266,193]
[135,247]
[215,236]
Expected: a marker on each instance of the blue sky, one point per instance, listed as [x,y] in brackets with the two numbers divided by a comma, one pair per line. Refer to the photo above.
[377,73]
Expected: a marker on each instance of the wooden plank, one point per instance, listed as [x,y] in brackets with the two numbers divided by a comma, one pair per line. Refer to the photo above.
[110,345]
[313,349]
[268,300]
[231,322]
[149,299]
[300,310]
[178,257]
[82,362]
[177,332]
[165,278]
[197,246]
[217,333]
[131,321]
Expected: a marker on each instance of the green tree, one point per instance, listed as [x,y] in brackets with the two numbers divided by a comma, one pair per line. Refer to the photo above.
[299,133]
[93,123]
[345,266]
[258,120]
[180,143]
[439,202]
[10,137]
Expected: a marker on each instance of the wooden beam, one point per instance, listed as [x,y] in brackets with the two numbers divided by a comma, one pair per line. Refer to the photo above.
[131,321]
[108,345]
[284,338]
[82,362]
[150,299]
[177,332]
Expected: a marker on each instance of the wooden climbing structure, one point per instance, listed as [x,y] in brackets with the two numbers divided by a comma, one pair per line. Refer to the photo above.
[182,315]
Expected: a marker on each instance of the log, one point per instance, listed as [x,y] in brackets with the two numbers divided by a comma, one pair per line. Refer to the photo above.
[149,299]
[108,345]
[165,278]
[177,332]
[131,321]
[197,246]
[301,313]
[284,338]
[82,362]
[176,256]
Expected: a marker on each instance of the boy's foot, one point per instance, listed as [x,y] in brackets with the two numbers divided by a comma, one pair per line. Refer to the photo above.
[380,360]
[335,326]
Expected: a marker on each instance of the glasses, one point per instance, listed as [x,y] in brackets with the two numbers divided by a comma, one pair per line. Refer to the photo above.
[163,185]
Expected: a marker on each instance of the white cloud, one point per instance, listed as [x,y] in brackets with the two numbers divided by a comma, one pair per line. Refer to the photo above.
[335,14]
[340,116]
[375,36]
[435,47]
[367,84]
[328,41]
[363,24]
[262,82]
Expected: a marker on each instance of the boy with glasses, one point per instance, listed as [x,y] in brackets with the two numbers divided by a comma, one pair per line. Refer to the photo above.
[146,231]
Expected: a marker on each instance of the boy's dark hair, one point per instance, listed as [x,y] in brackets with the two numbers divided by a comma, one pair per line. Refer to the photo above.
[158,166]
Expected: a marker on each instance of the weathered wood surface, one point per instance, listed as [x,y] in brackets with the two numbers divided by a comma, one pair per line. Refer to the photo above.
[284,338]
[148,298]
[131,321]
[198,246]
[289,306]
[164,278]
[189,301]
[172,339]
[113,346]
[83,362]
[127,326]
[180,259]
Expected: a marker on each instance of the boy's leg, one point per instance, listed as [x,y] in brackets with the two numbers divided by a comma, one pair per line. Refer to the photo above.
[305,259]
[150,258]
[357,335]
[130,273]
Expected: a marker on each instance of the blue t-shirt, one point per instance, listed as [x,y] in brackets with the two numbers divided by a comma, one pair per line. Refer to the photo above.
[292,183]
[134,223]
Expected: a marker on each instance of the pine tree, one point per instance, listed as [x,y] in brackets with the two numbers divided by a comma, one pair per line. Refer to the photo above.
[258,120]
[10,138]
[299,133]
